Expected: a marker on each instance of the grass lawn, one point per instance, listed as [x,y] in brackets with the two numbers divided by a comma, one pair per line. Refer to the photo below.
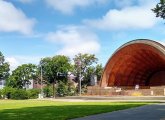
[50,110]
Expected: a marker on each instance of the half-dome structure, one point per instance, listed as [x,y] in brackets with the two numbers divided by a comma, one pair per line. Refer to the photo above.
[139,62]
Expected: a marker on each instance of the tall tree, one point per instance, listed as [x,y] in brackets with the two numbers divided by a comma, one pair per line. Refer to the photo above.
[83,63]
[159,9]
[21,76]
[53,67]
[4,68]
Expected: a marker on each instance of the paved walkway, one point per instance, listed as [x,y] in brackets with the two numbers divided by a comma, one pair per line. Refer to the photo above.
[109,99]
[148,112]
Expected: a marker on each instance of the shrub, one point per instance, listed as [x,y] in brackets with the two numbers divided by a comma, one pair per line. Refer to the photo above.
[48,91]
[1,94]
[71,89]
[6,92]
[33,93]
[19,94]
[62,89]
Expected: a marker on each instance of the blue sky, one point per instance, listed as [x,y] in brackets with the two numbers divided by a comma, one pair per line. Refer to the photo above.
[33,29]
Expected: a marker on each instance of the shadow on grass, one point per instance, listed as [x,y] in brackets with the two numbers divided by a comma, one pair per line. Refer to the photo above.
[59,112]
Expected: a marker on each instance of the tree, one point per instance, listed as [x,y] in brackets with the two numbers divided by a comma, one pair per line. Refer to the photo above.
[159,9]
[4,68]
[53,67]
[87,76]
[93,70]
[82,63]
[99,71]
[21,76]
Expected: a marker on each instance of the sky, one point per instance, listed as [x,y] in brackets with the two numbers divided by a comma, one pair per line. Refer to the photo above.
[34,29]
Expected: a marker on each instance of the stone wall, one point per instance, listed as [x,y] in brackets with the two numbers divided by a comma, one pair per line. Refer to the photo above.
[112,91]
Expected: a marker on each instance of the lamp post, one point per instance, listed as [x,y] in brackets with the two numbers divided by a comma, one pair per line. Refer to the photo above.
[41,83]
[1,60]
[41,87]
[79,68]
[80,81]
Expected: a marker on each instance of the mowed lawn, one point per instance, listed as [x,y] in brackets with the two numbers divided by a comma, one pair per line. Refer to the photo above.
[51,110]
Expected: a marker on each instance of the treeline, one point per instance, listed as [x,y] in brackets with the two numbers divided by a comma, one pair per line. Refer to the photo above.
[52,73]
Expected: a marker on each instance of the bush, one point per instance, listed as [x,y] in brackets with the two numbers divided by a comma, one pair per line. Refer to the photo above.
[1,94]
[71,89]
[19,94]
[48,91]
[6,92]
[33,93]
[62,89]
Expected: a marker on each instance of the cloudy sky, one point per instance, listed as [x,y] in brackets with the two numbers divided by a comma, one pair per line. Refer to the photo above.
[33,29]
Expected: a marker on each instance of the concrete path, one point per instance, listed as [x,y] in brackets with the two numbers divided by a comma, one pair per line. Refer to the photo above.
[109,99]
[148,112]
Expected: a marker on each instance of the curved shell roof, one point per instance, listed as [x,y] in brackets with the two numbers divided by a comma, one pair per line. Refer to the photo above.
[135,62]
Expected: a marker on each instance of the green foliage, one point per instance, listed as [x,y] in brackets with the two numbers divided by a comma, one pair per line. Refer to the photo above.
[84,62]
[4,68]
[92,70]
[52,66]
[65,89]
[87,76]
[62,89]
[7,91]
[33,93]
[14,93]
[12,82]
[21,76]
[1,94]
[48,91]
[19,94]
[159,9]
[99,71]
[71,89]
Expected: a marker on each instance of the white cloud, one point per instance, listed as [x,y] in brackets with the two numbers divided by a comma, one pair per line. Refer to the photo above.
[68,6]
[123,3]
[16,61]
[26,1]
[75,40]
[127,3]
[132,17]
[14,20]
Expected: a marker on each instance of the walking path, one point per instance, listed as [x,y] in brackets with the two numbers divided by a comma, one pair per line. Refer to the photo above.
[148,112]
[109,99]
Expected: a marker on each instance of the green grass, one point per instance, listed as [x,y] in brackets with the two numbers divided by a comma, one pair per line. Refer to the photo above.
[50,110]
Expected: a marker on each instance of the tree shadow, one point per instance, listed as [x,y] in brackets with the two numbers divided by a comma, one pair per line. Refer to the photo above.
[60,112]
